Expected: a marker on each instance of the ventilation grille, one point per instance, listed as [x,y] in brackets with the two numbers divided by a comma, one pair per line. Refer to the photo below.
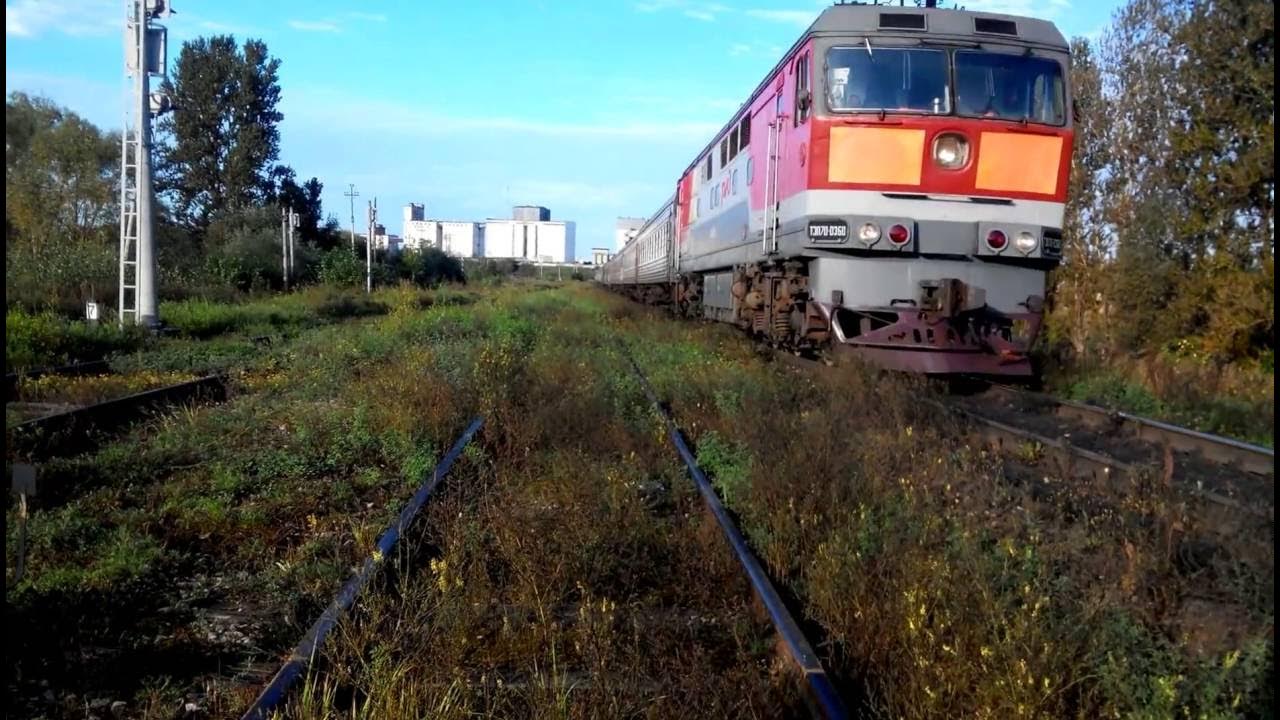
[901,21]
[995,27]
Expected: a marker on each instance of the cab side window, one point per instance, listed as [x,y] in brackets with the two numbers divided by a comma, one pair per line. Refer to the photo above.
[804,98]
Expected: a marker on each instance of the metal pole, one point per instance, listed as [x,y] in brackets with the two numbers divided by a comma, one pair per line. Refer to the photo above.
[368,247]
[147,312]
[351,193]
[293,231]
[284,247]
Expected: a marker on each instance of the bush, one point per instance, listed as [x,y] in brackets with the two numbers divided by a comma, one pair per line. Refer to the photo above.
[341,268]
[43,339]
[61,276]
[427,267]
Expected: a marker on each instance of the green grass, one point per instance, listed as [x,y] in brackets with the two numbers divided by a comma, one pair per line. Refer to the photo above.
[1186,398]
[940,576]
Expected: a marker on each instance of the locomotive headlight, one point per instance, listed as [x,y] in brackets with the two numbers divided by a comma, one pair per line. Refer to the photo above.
[869,233]
[1025,242]
[950,151]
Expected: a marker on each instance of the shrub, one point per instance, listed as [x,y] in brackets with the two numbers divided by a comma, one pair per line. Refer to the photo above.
[41,339]
[341,268]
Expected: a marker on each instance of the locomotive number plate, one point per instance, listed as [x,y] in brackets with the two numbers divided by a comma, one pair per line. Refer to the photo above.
[1052,245]
[828,231]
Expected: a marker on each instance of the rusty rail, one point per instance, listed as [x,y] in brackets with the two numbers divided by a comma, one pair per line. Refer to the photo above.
[1251,458]
[95,367]
[302,655]
[76,430]
[822,691]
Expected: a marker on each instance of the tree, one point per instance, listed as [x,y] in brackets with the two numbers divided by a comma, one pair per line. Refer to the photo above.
[220,145]
[1225,151]
[1087,240]
[61,174]
[303,199]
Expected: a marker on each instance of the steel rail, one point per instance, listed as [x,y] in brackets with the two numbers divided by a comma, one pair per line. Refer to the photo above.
[72,430]
[1223,450]
[93,367]
[1081,461]
[1078,461]
[823,690]
[278,688]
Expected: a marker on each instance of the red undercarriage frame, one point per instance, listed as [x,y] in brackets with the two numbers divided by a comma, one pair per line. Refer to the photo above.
[980,342]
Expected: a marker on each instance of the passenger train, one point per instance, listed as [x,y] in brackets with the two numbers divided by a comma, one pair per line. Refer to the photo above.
[895,185]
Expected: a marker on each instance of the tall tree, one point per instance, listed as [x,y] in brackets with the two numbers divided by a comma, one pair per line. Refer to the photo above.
[303,199]
[61,174]
[1225,151]
[218,149]
[1087,240]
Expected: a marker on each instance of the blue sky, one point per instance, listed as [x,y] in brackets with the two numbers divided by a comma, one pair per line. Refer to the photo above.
[590,108]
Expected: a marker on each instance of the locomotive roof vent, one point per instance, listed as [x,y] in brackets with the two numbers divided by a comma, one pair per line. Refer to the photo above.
[901,21]
[995,26]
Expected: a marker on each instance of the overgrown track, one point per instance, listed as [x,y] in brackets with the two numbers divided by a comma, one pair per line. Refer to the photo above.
[1087,440]
[277,689]
[822,696]
[1254,459]
[1092,439]
[79,428]
[95,367]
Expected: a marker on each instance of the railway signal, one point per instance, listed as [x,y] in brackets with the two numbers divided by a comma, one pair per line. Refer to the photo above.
[145,49]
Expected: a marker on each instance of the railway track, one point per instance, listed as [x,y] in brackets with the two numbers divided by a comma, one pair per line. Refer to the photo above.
[819,694]
[277,690]
[73,429]
[1091,441]
[822,696]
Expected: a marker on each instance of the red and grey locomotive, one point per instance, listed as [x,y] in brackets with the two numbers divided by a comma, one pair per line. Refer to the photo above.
[896,186]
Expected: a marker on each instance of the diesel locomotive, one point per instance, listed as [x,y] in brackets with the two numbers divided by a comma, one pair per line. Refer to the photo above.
[894,186]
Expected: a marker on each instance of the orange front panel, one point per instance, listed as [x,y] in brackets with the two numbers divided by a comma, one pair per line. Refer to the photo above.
[1013,162]
[889,156]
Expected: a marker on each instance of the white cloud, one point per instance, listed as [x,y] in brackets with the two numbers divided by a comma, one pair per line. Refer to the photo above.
[704,11]
[769,52]
[32,18]
[314,26]
[331,109]
[799,18]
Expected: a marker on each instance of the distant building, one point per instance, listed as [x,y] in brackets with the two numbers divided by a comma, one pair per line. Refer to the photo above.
[550,241]
[530,234]
[384,241]
[419,234]
[600,256]
[625,231]
[462,238]
[536,213]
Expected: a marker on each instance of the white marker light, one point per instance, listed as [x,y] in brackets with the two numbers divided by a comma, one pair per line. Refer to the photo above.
[1026,242]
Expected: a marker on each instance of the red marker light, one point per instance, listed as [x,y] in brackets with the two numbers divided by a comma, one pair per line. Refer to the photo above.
[898,235]
[996,240]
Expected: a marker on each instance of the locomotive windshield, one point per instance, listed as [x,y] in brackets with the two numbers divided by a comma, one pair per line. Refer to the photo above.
[896,79]
[992,85]
[1009,87]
